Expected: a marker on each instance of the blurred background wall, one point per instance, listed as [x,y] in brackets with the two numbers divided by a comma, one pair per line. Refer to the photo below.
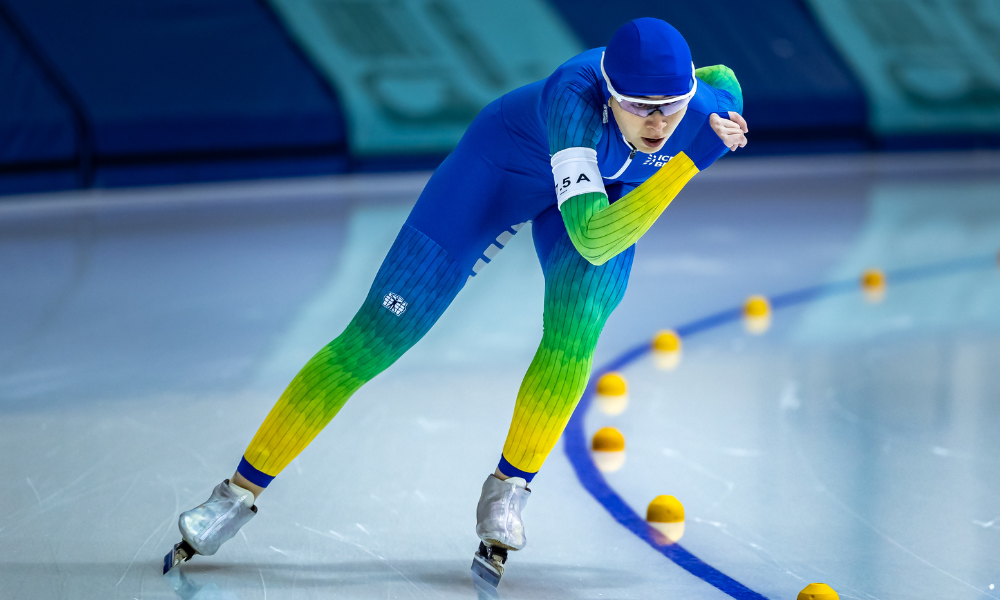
[107,93]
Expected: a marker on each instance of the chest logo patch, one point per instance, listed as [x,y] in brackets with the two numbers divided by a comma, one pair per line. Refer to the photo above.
[657,160]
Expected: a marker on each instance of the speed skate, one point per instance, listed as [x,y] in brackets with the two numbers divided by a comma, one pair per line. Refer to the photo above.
[215,521]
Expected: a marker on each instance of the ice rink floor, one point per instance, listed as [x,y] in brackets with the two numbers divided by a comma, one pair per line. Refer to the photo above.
[145,334]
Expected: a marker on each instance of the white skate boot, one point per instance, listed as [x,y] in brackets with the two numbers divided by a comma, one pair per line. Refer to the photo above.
[210,524]
[499,525]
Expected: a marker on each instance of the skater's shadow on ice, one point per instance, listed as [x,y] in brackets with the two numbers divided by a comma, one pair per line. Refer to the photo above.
[187,589]
[226,581]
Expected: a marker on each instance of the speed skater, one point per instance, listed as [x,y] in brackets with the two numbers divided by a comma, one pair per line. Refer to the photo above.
[591,156]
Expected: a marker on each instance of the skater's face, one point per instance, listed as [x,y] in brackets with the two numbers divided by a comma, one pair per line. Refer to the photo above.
[647,134]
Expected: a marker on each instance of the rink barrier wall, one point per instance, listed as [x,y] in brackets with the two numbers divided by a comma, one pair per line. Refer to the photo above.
[43,127]
[225,89]
[164,92]
[578,450]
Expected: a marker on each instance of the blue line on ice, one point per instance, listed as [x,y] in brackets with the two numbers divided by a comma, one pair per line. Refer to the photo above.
[592,480]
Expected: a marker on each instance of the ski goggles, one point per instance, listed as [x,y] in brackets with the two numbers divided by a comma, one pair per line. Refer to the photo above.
[643,107]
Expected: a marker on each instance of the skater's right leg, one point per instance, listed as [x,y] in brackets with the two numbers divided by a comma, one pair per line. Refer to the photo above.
[464,211]
[463,217]
[415,284]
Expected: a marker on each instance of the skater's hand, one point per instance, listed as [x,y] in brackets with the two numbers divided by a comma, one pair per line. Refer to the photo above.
[731,131]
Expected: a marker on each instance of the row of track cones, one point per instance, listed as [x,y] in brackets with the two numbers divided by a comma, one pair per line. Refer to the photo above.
[757,309]
[665,513]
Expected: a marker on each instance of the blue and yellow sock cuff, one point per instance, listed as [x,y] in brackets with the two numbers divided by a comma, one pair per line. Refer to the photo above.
[511,471]
[251,474]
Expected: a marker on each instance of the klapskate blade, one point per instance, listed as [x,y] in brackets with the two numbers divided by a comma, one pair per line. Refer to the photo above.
[485,571]
[178,554]
[168,560]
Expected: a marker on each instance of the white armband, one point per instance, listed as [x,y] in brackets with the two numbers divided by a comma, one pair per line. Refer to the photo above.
[575,172]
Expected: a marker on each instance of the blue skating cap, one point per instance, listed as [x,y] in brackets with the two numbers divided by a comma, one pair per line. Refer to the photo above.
[648,57]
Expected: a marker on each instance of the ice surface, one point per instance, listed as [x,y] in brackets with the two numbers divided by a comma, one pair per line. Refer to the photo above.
[145,334]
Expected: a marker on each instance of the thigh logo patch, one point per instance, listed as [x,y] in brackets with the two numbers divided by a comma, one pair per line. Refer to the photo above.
[395,303]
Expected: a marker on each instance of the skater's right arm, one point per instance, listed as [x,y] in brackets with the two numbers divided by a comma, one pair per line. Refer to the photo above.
[597,228]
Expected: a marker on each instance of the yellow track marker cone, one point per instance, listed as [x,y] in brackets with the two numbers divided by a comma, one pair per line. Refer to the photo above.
[612,394]
[873,285]
[757,314]
[665,514]
[667,350]
[818,591]
[608,449]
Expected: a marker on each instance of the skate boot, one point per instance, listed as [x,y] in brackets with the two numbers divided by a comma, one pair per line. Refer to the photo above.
[207,526]
[499,525]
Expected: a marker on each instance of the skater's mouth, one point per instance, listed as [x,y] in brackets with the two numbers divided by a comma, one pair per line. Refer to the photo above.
[652,142]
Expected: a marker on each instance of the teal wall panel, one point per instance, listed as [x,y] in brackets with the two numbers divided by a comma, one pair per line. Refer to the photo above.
[928,66]
[412,74]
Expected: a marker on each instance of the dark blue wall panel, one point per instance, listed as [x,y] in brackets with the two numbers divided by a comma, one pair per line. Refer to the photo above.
[35,124]
[795,85]
[38,131]
[30,181]
[185,81]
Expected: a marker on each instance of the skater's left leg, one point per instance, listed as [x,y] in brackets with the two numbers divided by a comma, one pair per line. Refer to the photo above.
[579,298]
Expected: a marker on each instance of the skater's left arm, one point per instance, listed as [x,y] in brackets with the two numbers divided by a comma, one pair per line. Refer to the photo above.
[601,230]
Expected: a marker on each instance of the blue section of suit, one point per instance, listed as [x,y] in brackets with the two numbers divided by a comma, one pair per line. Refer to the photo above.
[500,176]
